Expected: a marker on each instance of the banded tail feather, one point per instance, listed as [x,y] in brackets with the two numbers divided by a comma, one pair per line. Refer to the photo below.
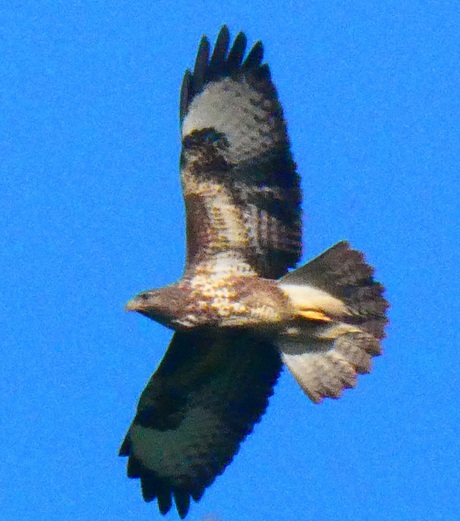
[346,316]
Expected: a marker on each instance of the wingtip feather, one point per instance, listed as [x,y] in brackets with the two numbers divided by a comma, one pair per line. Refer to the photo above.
[182,500]
[125,449]
[164,502]
[201,65]
[255,56]
[225,60]
[220,48]
[185,94]
[235,56]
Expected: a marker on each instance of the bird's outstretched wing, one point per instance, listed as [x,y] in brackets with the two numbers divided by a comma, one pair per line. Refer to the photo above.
[239,180]
[202,401]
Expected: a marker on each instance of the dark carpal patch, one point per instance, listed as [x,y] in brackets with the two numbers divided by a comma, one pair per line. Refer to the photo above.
[204,154]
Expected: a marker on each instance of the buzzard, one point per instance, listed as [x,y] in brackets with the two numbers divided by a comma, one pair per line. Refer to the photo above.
[237,312]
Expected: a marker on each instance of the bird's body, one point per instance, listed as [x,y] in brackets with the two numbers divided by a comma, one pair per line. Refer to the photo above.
[237,312]
[226,301]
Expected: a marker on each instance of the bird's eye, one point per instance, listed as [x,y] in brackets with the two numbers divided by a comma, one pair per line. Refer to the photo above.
[144,296]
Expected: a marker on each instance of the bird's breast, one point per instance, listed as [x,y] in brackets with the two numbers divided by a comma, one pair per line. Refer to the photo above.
[241,301]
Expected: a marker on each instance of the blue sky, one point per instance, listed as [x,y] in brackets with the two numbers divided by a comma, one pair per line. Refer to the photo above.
[91,213]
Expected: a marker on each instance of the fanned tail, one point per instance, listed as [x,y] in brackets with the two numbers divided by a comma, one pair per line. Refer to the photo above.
[341,320]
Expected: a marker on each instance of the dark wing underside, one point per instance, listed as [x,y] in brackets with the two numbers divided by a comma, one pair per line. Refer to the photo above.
[202,401]
[240,184]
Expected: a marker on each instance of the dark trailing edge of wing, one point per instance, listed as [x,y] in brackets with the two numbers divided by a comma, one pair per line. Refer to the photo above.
[222,63]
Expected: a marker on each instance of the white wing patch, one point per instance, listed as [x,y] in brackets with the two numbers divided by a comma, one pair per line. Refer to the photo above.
[233,107]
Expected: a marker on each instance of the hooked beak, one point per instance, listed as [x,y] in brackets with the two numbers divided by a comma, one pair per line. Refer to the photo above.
[132,305]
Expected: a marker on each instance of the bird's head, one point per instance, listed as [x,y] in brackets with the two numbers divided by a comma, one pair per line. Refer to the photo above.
[144,301]
[162,305]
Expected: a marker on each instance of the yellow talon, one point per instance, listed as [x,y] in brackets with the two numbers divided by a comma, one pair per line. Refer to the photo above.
[315,315]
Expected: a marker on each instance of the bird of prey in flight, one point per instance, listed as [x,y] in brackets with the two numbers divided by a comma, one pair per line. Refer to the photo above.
[238,313]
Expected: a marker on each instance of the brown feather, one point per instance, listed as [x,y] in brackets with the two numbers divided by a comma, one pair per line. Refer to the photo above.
[235,149]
